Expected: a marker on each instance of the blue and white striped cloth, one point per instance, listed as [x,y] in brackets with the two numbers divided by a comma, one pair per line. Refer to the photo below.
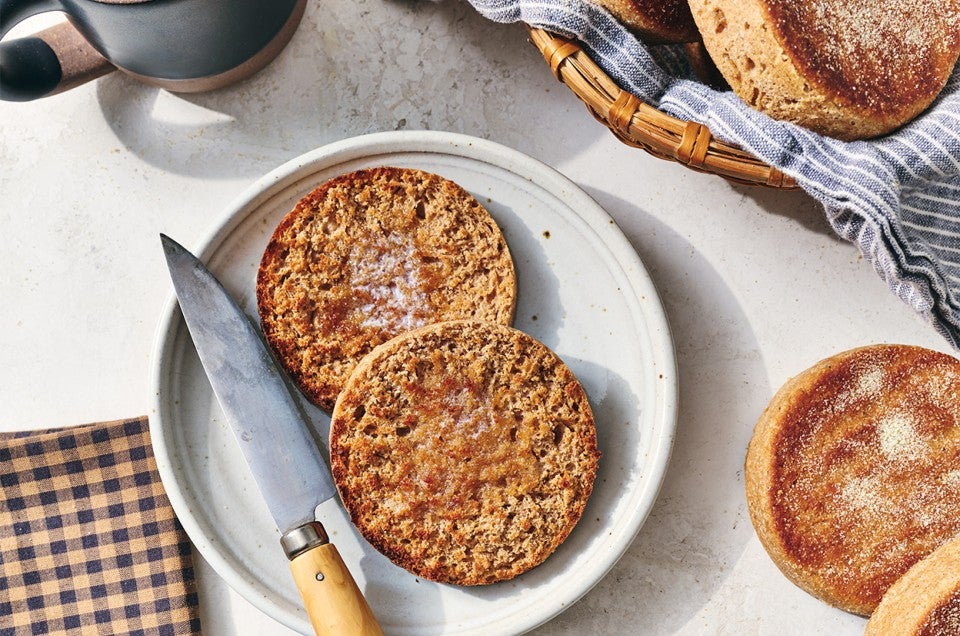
[897,198]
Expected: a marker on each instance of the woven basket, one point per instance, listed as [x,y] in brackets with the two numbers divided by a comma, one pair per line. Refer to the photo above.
[643,126]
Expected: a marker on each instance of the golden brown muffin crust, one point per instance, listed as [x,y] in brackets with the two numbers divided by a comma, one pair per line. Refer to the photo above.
[877,56]
[851,69]
[853,473]
[371,254]
[944,619]
[464,451]
[655,22]
[925,601]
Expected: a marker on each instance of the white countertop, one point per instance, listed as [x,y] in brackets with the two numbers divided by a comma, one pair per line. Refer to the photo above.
[755,285]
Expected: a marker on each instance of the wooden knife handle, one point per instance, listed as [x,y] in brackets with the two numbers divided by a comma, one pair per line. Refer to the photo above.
[333,601]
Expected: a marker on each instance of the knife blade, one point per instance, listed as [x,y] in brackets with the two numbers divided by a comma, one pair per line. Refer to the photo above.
[276,443]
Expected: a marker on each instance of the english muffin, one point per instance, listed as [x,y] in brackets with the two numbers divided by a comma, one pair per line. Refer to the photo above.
[371,254]
[847,69]
[666,21]
[925,601]
[853,471]
[464,451]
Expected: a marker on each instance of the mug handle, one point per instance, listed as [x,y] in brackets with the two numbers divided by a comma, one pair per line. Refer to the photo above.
[46,63]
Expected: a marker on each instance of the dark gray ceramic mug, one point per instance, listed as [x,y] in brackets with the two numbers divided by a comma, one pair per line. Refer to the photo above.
[180,45]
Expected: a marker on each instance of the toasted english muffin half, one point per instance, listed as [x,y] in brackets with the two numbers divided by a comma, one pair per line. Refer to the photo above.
[369,255]
[464,451]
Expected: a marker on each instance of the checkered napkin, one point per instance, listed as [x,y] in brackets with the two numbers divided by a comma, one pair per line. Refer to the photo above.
[88,541]
[896,198]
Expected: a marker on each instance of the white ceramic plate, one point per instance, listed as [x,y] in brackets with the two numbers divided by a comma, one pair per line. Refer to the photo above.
[582,291]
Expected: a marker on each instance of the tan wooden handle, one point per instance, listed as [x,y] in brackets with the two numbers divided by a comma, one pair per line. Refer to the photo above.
[333,600]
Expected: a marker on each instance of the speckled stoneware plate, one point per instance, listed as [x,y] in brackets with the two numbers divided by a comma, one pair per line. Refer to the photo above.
[582,291]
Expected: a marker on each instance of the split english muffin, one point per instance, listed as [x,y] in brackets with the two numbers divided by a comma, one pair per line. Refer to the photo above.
[853,471]
[369,255]
[464,451]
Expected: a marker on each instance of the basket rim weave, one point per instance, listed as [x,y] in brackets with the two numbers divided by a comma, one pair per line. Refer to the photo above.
[640,125]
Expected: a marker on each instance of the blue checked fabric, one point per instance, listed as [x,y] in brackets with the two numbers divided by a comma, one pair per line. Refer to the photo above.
[896,198]
[89,543]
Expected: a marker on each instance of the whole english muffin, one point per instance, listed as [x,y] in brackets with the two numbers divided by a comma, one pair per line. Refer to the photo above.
[655,22]
[851,69]
[371,254]
[853,471]
[464,451]
[925,601]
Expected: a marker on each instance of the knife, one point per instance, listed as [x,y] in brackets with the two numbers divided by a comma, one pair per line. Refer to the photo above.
[276,443]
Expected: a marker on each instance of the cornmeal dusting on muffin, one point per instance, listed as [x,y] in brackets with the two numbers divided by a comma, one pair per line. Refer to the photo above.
[952,479]
[852,471]
[899,440]
[850,69]
[874,46]
[369,255]
[869,383]
[925,601]
[944,620]
[943,392]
